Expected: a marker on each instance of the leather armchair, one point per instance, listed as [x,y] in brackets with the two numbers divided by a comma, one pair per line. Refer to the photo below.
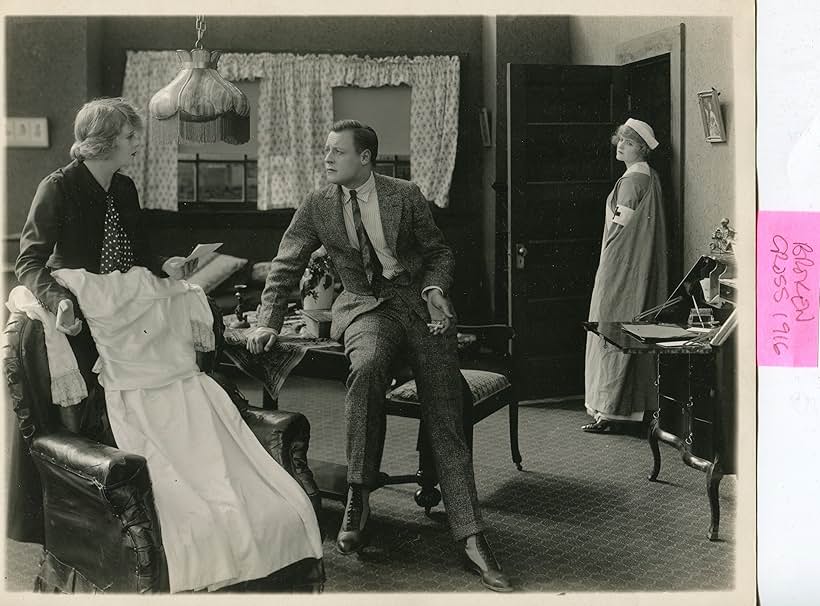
[91,505]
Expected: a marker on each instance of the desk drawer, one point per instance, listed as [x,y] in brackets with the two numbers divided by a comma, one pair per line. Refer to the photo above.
[703,439]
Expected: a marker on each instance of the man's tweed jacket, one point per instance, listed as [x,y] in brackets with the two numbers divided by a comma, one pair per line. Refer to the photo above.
[410,233]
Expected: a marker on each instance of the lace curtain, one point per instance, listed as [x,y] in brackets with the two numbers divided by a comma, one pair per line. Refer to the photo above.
[296,113]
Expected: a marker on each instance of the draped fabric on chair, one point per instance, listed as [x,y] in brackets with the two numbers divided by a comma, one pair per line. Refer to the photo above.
[296,113]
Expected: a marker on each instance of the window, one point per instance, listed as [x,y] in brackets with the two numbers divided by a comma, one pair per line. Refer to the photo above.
[387,110]
[220,175]
[223,176]
[209,179]
[394,166]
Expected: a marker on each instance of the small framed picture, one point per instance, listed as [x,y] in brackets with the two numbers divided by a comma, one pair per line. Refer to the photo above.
[484,125]
[27,132]
[710,113]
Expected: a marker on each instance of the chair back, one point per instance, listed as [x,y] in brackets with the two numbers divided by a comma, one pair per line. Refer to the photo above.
[486,347]
[28,380]
[28,385]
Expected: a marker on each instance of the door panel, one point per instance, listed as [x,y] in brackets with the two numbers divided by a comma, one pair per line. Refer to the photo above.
[567,210]
[560,170]
[556,328]
[648,83]
[577,152]
[551,374]
[550,257]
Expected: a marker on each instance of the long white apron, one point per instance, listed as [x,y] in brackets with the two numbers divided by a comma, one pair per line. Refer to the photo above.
[227,510]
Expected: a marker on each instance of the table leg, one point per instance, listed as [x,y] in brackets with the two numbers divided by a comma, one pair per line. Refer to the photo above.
[655,425]
[713,477]
[654,428]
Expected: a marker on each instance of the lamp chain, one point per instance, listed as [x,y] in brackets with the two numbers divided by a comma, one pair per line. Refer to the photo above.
[200,30]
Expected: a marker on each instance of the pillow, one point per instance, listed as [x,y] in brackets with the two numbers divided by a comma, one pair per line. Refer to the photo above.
[216,271]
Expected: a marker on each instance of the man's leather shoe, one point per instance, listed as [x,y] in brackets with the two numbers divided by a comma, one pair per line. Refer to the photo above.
[351,537]
[480,560]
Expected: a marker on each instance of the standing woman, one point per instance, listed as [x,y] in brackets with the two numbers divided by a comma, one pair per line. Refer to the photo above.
[87,216]
[631,277]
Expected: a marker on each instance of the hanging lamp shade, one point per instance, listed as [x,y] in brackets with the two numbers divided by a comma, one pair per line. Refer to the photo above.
[199,105]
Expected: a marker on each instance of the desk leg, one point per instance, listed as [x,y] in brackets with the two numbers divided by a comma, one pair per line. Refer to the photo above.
[713,477]
[654,428]
[654,425]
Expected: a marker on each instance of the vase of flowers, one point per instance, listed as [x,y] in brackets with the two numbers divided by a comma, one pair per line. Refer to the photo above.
[317,285]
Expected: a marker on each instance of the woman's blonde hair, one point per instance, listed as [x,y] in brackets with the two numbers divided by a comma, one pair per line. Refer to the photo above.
[98,124]
[624,131]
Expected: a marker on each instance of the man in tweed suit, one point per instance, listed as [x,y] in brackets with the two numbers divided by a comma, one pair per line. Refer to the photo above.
[396,270]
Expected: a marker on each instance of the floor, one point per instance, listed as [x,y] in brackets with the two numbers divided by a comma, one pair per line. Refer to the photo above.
[581,516]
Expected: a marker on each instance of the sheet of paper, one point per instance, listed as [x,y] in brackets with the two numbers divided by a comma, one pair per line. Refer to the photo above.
[788,144]
[200,250]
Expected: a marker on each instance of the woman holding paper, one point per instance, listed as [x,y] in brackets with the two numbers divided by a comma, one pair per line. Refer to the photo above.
[87,216]
[631,277]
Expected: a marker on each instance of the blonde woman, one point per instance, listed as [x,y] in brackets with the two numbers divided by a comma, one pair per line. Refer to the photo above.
[87,215]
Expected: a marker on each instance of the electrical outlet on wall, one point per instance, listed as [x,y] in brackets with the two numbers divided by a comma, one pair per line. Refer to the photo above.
[26,132]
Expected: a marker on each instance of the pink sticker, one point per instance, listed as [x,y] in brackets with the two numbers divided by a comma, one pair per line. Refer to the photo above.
[788,252]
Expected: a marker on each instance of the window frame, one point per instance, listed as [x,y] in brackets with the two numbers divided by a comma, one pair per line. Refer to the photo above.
[198,204]
[396,162]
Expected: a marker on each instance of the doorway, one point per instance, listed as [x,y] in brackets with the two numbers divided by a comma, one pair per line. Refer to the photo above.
[561,167]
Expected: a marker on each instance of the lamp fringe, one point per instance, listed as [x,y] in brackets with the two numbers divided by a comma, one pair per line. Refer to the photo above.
[230,128]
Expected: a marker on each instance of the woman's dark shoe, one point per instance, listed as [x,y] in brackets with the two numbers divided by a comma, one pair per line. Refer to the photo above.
[352,537]
[603,426]
[630,428]
[479,559]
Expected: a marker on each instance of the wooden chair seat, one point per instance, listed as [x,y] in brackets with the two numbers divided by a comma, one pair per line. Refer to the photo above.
[483,384]
[485,392]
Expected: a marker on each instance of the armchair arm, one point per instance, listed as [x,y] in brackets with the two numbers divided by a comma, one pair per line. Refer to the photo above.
[286,436]
[99,465]
[99,515]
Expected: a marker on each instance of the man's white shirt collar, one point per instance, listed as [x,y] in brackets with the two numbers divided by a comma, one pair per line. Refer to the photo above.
[362,192]
[638,167]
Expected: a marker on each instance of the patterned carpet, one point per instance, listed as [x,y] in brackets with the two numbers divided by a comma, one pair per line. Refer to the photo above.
[580,517]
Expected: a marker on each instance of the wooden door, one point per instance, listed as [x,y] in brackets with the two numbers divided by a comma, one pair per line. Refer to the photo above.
[648,98]
[560,170]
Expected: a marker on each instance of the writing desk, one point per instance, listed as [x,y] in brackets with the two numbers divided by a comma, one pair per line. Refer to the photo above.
[696,405]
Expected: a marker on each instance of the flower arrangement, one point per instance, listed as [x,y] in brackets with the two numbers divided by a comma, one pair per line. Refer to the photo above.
[319,275]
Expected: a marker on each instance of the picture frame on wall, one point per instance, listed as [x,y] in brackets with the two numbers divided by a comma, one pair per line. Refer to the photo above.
[484,125]
[712,117]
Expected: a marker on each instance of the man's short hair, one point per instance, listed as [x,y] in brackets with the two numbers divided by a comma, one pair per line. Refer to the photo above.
[364,137]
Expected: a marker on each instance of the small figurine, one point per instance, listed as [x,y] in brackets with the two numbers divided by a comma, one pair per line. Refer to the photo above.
[723,240]
[241,320]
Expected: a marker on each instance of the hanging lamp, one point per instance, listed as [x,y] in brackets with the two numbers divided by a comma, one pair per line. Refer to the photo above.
[199,105]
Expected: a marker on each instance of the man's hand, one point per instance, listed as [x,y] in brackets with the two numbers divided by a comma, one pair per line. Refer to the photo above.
[261,339]
[178,268]
[67,323]
[441,312]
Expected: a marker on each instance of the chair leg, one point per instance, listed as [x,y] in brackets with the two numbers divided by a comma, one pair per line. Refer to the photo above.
[428,496]
[516,454]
